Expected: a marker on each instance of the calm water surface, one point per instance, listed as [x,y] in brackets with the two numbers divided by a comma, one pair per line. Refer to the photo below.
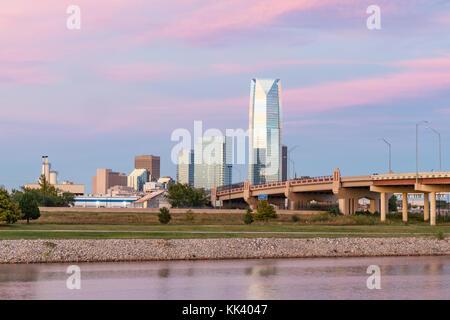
[317,278]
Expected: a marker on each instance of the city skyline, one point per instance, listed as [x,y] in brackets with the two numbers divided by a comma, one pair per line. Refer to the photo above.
[90,98]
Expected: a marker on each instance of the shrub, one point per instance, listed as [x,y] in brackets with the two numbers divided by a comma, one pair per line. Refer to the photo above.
[334,210]
[164,216]
[321,217]
[440,235]
[295,218]
[248,217]
[190,215]
[265,211]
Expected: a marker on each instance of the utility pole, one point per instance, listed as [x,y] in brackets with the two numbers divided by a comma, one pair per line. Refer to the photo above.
[390,153]
[439,139]
[417,148]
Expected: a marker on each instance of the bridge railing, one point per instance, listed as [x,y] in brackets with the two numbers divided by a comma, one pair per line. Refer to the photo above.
[239,187]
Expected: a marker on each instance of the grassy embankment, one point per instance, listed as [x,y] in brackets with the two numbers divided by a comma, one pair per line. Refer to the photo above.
[141,225]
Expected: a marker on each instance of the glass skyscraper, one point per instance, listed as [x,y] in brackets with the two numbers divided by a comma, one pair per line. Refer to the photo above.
[213,165]
[265,131]
[185,167]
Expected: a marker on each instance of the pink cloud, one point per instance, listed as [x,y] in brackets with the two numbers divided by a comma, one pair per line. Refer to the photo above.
[26,75]
[421,78]
[142,72]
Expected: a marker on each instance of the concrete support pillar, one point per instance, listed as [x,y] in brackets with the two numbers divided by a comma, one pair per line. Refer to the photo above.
[433,208]
[426,207]
[348,206]
[405,207]
[374,206]
[343,205]
[383,206]
[293,205]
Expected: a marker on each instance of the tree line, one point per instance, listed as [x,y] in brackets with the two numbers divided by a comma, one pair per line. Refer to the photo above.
[24,204]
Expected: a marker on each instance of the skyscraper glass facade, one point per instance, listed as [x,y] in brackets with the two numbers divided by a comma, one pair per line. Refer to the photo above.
[212,158]
[265,131]
[185,167]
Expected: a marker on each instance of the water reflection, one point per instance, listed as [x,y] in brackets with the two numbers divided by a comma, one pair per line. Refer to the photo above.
[316,278]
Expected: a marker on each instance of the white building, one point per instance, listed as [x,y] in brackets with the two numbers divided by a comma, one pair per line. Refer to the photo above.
[212,162]
[185,167]
[137,179]
[105,202]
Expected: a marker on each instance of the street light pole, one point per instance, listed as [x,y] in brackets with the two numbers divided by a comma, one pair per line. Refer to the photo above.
[440,164]
[390,153]
[440,154]
[417,149]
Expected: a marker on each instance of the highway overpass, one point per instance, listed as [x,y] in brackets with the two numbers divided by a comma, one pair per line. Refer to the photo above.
[346,191]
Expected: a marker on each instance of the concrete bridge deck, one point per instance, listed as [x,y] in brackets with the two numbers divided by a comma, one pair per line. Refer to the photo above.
[346,191]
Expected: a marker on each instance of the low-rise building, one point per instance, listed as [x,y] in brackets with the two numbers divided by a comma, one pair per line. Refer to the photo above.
[51,177]
[157,199]
[104,202]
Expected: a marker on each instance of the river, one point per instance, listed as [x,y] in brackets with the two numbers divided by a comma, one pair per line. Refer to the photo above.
[315,278]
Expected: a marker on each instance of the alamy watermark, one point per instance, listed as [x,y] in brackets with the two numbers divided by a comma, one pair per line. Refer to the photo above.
[374,20]
[213,147]
[374,281]
[74,280]
[73,22]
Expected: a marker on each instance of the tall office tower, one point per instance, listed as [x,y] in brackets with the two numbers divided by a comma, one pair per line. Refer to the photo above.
[185,167]
[106,179]
[265,131]
[149,163]
[284,163]
[212,162]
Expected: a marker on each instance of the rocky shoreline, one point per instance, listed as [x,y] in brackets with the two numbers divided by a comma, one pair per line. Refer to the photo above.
[80,250]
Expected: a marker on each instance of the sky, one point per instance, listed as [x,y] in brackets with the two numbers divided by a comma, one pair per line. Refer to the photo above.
[137,70]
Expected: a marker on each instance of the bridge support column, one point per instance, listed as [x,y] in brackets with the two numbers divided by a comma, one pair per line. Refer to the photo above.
[383,206]
[405,207]
[348,206]
[426,207]
[374,205]
[252,202]
[433,209]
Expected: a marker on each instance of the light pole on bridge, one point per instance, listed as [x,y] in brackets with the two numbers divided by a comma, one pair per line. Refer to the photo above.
[390,153]
[440,154]
[417,148]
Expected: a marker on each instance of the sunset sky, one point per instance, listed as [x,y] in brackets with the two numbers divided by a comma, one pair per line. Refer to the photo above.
[137,70]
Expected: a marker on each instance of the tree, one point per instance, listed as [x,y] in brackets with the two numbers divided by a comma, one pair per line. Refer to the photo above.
[183,195]
[393,204]
[164,215]
[248,217]
[46,196]
[29,207]
[265,211]
[9,211]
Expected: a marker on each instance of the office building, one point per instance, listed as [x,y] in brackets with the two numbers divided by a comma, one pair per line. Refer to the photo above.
[284,163]
[151,164]
[212,162]
[105,179]
[185,167]
[265,131]
[137,179]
